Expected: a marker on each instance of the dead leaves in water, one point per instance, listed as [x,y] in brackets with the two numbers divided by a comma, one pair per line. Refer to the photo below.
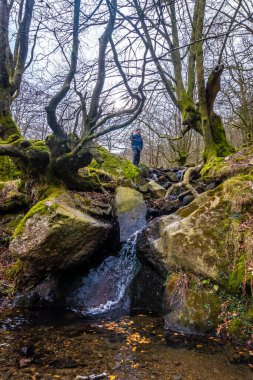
[119,328]
[136,338]
[126,328]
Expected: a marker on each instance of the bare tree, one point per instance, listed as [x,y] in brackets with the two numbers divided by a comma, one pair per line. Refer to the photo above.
[175,34]
[13,62]
[64,153]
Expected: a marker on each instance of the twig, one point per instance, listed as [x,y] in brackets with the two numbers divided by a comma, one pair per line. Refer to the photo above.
[92,377]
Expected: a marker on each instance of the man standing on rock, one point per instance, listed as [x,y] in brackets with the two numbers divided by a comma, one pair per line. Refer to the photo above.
[137,144]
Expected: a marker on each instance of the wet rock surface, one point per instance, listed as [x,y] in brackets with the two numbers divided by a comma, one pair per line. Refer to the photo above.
[130,210]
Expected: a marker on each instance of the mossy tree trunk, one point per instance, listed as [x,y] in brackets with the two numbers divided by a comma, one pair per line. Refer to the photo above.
[12,67]
[197,114]
[37,161]
[59,158]
[200,115]
[213,130]
[12,63]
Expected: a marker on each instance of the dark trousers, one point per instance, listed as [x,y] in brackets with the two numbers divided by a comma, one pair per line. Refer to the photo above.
[136,156]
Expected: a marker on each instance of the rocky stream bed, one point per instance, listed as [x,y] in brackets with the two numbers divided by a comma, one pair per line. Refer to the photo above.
[83,294]
[57,344]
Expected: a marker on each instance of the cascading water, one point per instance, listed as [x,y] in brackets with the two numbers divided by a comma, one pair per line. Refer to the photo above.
[105,287]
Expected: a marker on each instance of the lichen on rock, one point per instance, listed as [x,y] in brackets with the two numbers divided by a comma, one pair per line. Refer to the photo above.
[198,236]
[54,236]
[212,239]
[191,309]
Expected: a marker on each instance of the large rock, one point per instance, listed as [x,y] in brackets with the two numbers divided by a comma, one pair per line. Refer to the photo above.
[203,237]
[172,177]
[117,166]
[191,309]
[54,235]
[11,198]
[130,210]
[156,190]
[204,252]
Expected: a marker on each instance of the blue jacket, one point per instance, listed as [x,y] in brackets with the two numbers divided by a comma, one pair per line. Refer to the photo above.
[136,141]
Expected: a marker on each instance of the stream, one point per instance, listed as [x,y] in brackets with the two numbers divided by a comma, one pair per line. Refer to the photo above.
[105,287]
[96,332]
[46,344]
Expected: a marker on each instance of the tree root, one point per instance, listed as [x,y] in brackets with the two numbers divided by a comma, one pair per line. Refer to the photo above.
[186,181]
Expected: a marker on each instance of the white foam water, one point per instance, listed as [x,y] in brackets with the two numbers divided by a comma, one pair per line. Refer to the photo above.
[104,288]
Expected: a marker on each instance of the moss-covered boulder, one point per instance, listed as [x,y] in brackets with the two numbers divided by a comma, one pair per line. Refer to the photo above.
[191,309]
[116,166]
[204,237]
[8,171]
[55,235]
[212,240]
[11,198]
[156,190]
[240,162]
[130,209]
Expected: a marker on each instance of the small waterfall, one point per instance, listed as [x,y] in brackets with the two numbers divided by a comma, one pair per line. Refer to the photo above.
[105,287]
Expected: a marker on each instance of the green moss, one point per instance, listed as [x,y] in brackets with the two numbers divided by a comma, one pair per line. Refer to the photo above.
[220,147]
[52,191]
[190,112]
[239,159]
[12,139]
[12,272]
[91,182]
[234,326]
[214,164]
[39,208]
[201,310]
[40,145]
[102,175]
[190,115]
[249,314]
[8,170]
[238,277]
[36,151]
[116,166]
[14,222]
[238,191]
[9,126]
